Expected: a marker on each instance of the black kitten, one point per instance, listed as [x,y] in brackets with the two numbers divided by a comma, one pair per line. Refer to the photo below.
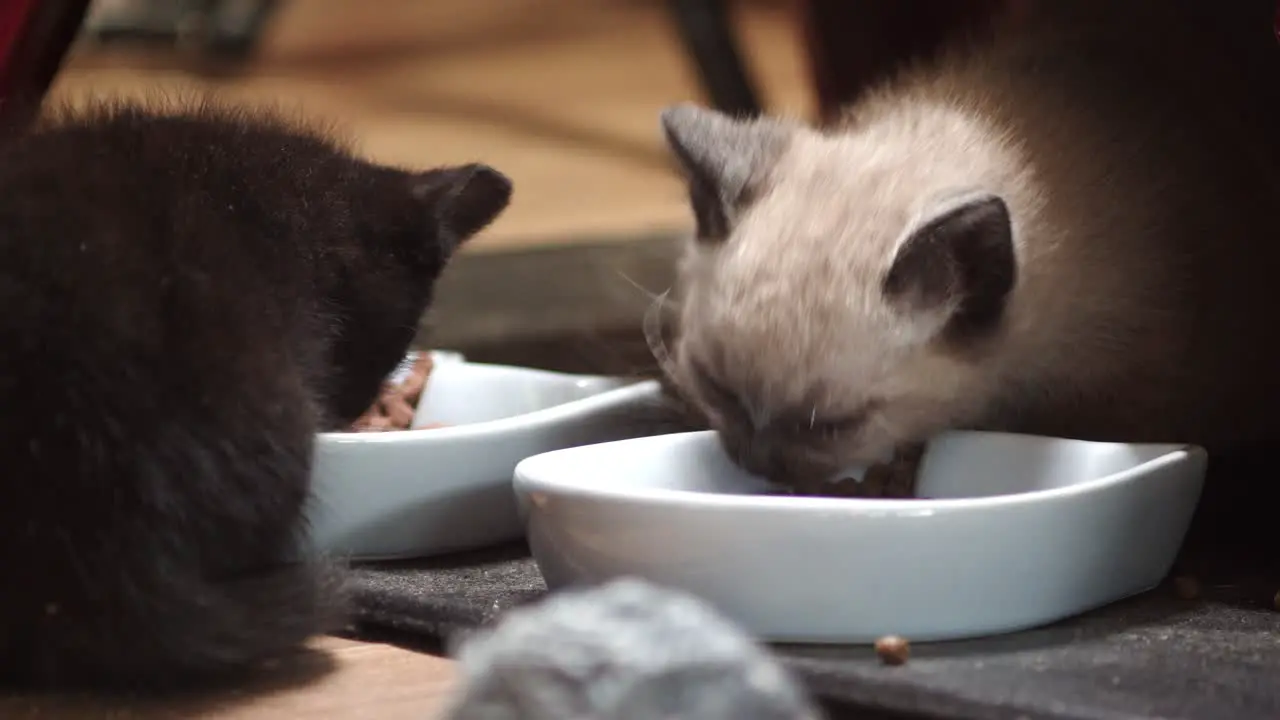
[186,298]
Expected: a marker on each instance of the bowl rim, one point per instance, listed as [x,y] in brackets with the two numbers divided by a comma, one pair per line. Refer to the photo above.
[527,483]
[625,389]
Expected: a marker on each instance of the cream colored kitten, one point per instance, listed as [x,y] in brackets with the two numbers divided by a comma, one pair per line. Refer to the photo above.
[1069,230]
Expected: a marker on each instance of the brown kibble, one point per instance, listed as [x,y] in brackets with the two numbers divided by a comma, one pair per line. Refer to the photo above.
[411,388]
[894,480]
[399,412]
[1186,587]
[375,423]
[893,650]
[396,403]
[365,420]
[877,480]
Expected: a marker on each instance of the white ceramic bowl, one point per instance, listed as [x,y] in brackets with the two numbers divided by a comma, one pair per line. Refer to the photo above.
[1020,531]
[414,493]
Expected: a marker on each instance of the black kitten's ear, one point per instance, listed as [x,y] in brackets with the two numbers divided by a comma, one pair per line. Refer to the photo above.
[723,159]
[463,199]
[961,258]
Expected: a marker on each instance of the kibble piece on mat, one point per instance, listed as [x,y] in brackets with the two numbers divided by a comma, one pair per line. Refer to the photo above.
[893,650]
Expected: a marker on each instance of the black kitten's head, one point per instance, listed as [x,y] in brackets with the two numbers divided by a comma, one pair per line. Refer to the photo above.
[397,230]
[405,227]
[268,213]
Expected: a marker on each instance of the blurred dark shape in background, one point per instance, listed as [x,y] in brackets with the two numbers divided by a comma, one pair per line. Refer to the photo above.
[227,29]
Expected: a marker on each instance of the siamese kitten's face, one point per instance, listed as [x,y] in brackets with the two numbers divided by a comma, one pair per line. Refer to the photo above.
[838,297]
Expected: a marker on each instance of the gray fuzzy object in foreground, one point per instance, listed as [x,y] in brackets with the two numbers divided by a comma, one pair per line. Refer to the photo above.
[624,651]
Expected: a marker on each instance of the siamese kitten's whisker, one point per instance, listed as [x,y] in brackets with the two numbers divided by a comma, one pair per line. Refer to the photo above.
[653,327]
[651,295]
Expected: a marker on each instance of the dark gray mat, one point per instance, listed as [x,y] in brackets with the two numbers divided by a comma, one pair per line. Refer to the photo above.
[430,600]
[1155,656]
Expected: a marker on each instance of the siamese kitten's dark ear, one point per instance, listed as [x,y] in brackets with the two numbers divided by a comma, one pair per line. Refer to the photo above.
[723,159]
[960,258]
[463,200]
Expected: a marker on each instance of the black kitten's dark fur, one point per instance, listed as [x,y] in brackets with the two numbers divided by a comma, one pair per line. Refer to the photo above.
[186,297]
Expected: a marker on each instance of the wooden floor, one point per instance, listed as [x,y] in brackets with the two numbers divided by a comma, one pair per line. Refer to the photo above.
[561,94]
[335,678]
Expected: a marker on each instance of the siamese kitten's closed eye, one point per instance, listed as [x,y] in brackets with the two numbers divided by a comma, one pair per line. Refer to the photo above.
[1003,239]
[187,296]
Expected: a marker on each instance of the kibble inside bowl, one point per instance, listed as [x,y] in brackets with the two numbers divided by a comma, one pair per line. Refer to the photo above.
[397,401]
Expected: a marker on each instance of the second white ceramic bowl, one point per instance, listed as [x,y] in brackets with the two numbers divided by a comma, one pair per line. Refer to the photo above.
[1019,531]
[414,493]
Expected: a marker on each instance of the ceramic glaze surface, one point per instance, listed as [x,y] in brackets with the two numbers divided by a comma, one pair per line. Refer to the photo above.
[415,493]
[1019,531]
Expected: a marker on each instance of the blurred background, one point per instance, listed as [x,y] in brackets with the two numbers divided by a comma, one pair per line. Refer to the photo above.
[562,95]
